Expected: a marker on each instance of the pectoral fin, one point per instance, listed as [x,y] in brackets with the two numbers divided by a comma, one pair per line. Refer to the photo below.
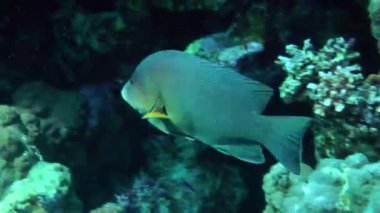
[157,111]
[154,114]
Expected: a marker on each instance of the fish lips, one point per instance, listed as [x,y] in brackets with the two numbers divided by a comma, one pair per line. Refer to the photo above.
[125,95]
[124,92]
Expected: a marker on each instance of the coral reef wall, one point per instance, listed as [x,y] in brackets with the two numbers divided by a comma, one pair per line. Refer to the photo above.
[28,183]
[374,14]
[345,103]
[345,106]
[68,142]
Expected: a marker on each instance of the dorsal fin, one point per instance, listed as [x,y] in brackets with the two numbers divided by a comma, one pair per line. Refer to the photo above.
[258,93]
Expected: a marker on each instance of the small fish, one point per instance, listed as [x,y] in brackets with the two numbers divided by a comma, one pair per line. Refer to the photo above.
[184,95]
[188,186]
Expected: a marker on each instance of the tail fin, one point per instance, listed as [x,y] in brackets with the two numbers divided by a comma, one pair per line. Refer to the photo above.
[283,138]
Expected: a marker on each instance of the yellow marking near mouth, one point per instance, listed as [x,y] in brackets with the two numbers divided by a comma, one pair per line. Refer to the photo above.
[155,115]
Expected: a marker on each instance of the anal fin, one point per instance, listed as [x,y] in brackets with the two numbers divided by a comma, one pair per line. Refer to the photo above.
[244,150]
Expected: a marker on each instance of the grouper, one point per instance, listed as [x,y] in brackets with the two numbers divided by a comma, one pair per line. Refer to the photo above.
[187,96]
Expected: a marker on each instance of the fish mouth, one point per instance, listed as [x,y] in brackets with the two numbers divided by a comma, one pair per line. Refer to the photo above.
[124,93]
[126,98]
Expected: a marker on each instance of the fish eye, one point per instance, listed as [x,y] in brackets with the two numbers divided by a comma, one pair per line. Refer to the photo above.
[131,81]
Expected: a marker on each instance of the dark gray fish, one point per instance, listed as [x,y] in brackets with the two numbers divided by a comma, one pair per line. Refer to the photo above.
[178,91]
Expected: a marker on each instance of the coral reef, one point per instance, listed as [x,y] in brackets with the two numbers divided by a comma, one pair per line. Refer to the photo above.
[176,181]
[45,188]
[346,108]
[98,100]
[304,66]
[18,133]
[82,37]
[146,195]
[70,122]
[175,6]
[344,186]
[374,14]
[109,208]
[74,49]
[62,113]
[62,117]
[244,37]
[179,162]
[240,43]
[27,182]
[189,5]
[250,23]
[219,48]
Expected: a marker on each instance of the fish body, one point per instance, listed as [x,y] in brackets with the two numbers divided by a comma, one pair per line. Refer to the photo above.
[182,94]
